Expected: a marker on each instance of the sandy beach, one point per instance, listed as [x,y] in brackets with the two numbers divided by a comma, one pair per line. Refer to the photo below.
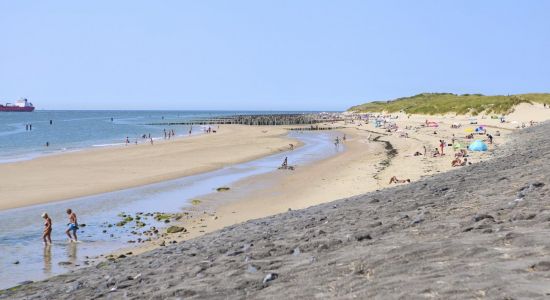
[364,167]
[88,172]
[371,157]
[446,236]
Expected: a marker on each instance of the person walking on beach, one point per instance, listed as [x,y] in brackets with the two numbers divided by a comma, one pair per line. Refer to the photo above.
[72,226]
[441,146]
[46,235]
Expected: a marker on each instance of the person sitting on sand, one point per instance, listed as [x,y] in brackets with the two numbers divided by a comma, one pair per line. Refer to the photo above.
[459,163]
[72,226]
[461,153]
[417,153]
[285,163]
[436,152]
[456,162]
[396,181]
[291,146]
[46,235]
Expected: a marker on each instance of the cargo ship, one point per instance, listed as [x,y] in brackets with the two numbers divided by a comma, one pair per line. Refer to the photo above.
[20,105]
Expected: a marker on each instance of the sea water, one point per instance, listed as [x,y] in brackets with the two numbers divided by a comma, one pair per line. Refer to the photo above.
[23,257]
[74,130]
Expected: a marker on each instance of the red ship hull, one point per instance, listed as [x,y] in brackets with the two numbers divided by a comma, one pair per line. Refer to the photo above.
[17,108]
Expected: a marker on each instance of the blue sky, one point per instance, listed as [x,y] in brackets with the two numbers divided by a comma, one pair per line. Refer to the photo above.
[267,55]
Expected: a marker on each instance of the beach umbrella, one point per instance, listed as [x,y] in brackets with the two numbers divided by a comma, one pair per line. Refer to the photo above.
[478,145]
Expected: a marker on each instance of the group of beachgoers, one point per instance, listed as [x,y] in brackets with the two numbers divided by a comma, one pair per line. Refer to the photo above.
[460,156]
[72,227]
[210,130]
[169,134]
[338,141]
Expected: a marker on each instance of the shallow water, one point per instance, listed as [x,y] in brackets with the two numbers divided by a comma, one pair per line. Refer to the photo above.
[20,229]
[73,130]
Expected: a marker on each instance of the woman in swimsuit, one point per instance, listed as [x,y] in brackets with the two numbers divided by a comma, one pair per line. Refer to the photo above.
[46,235]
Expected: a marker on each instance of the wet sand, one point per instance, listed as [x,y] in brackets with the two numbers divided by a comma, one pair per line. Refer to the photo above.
[119,219]
[70,175]
[475,232]
[365,167]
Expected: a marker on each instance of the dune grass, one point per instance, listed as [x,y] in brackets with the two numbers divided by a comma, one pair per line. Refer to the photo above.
[443,103]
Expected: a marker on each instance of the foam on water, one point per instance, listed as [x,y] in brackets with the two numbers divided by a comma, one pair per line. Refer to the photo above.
[73,130]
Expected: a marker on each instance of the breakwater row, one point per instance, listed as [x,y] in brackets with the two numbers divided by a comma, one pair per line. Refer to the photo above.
[261,120]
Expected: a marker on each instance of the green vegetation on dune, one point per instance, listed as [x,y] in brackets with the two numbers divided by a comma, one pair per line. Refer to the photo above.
[443,103]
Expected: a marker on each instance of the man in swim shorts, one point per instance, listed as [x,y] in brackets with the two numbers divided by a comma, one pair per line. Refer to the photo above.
[73,226]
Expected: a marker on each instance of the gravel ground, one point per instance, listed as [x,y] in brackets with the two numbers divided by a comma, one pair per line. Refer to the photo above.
[477,232]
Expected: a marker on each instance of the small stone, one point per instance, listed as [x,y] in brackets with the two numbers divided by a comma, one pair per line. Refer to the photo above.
[362,236]
[270,277]
[175,229]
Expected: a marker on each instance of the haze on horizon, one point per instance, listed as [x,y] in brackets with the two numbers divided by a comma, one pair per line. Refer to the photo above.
[267,55]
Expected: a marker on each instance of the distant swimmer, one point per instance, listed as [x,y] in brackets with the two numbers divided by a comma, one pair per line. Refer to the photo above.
[72,226]
[112,119]
[47,144]
[51,122]
[127,141]
[46,235]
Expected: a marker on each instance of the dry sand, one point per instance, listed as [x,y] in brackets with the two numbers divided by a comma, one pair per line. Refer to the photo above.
[363,167]
[476,232]
[70,175]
